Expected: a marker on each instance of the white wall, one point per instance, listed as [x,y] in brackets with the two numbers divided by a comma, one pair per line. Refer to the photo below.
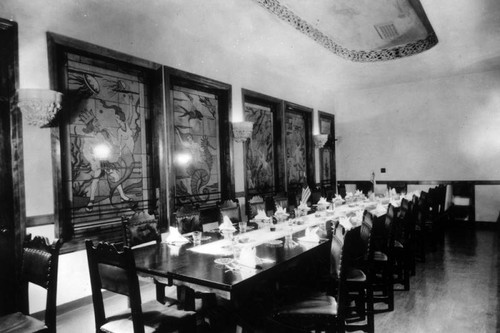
[435,130]
[127,27]
[445,129]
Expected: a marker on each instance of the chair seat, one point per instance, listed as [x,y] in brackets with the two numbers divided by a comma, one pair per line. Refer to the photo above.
[316,305]
[18,322]
[380,256]
[355,275]
[157,318]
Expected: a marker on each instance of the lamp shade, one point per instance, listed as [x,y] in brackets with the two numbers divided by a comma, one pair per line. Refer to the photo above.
[39,106]
[242,130]
[320,140]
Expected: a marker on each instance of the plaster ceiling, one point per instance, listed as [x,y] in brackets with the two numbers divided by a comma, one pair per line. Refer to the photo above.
[468,33]
[362,30]
[249,35]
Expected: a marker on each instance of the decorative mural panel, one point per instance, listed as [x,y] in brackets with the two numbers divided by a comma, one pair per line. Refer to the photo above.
[326,165]
[196,146]
[109,170]
[325,126]
[260,152]
[327,153]
[296,151]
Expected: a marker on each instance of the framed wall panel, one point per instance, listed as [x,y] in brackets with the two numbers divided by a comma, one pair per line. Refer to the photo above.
[107,163]
[200,141]
[299,157]
[264,167]
[327,153]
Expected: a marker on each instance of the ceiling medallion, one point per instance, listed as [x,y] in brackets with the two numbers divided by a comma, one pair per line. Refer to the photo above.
[381,54]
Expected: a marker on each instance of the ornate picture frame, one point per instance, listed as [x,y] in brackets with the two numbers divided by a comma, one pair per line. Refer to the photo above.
[327,152]
[264,167]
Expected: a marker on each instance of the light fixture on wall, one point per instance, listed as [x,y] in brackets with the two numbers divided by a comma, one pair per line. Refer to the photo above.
[39,106]
[320,140]
[242,130]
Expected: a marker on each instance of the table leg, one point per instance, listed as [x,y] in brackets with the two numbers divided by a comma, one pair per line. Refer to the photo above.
[186,298]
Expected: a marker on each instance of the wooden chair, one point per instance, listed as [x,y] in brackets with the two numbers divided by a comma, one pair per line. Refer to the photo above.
[282,200]
[404,234]
[39,266]
[254,204]
[462,203]
[210,218]
[139,229]
[358,252]
[383,262]
[320,311]
[231,209]
[188,219]
[115,271]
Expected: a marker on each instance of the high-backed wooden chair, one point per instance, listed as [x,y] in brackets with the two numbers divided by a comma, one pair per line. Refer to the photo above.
[187,219]
[39,266]
[115,271]
[139,229]
[255,204]
[404,235]
[358,252]
[210,218]
[320,311]
[281,200]
[383,261]
[231,209]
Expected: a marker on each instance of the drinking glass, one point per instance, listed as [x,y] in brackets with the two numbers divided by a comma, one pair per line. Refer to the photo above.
[197,237]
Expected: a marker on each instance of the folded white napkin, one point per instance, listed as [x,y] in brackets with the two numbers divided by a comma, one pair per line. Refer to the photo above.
[248,256]
[306,193]
[280,210]
[261,215]
[303,205]
[322,201]
[226,224]
[175,237]
[311,235]
[357,219]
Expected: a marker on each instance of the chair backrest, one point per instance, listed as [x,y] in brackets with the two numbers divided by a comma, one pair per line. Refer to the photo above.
[315,196]
[388,243]
[210,217]
[231,209]
[39,266]
[188,219]
[114,271]
[140,228]
[365,234]
[338,271]
[255,203]
[281,200]
[401,220]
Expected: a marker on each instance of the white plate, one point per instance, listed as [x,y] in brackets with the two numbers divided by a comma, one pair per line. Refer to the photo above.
[223,261]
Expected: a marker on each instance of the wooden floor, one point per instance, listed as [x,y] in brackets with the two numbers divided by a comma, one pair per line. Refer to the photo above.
[456,290]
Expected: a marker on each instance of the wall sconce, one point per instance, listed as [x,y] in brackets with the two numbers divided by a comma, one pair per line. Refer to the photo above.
[39,106]
[242,131]
[320,140]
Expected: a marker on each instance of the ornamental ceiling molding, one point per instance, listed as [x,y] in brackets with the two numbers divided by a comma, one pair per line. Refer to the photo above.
[383,54]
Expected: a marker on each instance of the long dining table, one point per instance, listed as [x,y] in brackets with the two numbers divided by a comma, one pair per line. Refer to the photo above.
[210,266]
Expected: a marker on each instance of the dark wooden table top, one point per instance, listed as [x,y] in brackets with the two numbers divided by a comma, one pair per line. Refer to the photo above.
[183,266]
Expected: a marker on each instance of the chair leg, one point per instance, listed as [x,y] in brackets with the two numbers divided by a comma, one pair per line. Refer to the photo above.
[186,297]
[370,311]
[160,292]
